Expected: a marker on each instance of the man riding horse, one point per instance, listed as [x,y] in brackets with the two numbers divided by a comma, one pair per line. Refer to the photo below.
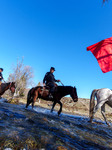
[55,95]
[49,80]
[52,95]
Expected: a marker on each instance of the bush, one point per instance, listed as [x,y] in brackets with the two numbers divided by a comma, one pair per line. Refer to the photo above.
[23,76]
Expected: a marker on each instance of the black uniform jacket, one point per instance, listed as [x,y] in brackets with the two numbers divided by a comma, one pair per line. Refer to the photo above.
[49,78]
[1,76]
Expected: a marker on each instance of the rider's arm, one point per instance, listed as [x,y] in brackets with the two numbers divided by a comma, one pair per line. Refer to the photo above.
[44,80]
[1,76]
[3,80]
[57,80]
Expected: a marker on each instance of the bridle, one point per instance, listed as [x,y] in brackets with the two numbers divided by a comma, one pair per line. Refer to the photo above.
[10,86]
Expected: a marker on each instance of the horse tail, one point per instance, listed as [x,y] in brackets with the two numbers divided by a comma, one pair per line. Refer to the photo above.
[92,103]
[29,97]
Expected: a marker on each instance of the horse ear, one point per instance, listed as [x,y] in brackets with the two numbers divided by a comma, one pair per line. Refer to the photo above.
[14,83]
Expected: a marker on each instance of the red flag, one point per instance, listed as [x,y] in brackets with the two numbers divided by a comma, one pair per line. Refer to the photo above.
[103,53]
[104,1]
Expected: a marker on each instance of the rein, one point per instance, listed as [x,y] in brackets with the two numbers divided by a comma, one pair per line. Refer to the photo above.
[61,83]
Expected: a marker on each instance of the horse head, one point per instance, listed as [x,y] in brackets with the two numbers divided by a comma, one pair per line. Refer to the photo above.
[74,94]
[12,87]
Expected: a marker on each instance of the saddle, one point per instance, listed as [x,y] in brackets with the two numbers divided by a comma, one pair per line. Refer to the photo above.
[1,86]
[45,91]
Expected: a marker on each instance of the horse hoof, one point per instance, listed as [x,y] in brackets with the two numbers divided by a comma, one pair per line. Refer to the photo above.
[108,124]
[51,111]
[90,121]
[58,114]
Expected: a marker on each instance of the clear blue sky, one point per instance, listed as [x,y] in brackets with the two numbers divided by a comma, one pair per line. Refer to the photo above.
[56,33]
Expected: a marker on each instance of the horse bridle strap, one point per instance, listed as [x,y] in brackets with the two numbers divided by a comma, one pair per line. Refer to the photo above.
[10,85]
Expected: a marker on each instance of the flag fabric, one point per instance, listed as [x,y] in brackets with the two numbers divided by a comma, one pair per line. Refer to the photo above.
[103,53]
[104,1]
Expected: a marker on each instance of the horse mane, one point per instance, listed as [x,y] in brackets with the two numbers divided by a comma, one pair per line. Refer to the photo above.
[38,87]
[4,85]
[64,88]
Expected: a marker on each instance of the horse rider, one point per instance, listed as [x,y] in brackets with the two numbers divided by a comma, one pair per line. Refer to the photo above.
[49,80]
[1,76]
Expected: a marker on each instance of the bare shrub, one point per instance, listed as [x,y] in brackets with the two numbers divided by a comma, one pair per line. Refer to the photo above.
[23,76]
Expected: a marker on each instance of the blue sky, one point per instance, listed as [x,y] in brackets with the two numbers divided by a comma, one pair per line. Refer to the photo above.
[56,33]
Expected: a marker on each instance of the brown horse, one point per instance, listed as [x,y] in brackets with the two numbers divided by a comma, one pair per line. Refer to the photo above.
[42,92]
[6,86]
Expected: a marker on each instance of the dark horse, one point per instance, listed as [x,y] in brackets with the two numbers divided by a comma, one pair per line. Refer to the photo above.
[6,86]
[60,91]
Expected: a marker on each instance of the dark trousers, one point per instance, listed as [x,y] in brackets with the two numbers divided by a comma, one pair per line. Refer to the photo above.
[52,87]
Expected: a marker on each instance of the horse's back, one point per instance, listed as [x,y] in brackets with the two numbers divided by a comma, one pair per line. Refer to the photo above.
[103,93]
[59,88]
[31,92]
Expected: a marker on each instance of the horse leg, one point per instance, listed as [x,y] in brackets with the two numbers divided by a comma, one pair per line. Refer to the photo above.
[53,106]
[34,99]
[60,110]
[103,114]
[27,104]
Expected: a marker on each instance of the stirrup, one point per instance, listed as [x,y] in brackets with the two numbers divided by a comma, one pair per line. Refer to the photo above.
[50,96]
